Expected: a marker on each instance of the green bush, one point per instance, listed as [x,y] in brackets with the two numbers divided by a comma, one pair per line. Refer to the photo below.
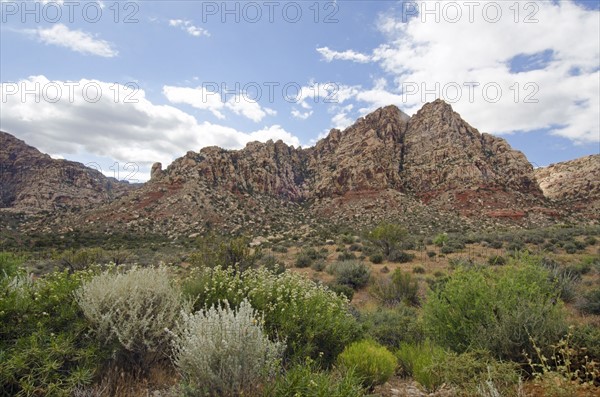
[303,260]
[313,320]
[401,287]
[496,260]
[271,263]
[318,266]
[590,302]
[431,254]
[346,256]
[441,239]
[392,326]
[373,363]
[499,310]
[134,309]
[387,236]
[473,373]
[10,264]
[416,360]
[342,289]
[44,343]
[590,240]
[216,251]
[376,258]
[400,256]
[419,270]
[219,351]
[306,380]
[354,274]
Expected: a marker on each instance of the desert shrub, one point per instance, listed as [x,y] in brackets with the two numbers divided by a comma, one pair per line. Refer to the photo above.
[346,256]
[347,239]
[373,363]
[44,343]
[386,236]
[496,244]
[473,372]
[570,248]
[354,274]
[132,308]
[496,260]
[400,256]
[82,258]
[307,381]
[355,247]
[580,269]
[271,263]
[586,338]
[590,240]
[10,264]
[376,258]
[590,302]
[515,246]
[342,289]
[280,248]
[441,239]
[431,254]
[402,287]
[499,311]
[224,352]
[416,360]
[216,251]
[303,260]
[419,270]
[392,326]
[318,266]
[313,320]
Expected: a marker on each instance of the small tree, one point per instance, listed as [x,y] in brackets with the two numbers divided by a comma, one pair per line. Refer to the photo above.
[387,236]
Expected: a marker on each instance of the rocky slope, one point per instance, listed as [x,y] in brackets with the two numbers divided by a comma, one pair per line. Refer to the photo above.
[427,171]
[574,184]
[387,165]
[31,181]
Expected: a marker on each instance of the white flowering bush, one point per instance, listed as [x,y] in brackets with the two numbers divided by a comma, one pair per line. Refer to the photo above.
[134,308]
[225,352]
[314,321]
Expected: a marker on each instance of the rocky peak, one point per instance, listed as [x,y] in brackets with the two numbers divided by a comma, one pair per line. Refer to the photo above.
[32,181]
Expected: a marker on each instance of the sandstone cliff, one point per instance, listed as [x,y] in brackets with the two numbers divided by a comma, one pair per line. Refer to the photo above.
[31,181]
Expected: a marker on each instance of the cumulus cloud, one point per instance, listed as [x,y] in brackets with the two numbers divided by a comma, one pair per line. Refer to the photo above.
[204,99]
[470,62]
[348,55]
[75,40]
[114,121]
[189,27]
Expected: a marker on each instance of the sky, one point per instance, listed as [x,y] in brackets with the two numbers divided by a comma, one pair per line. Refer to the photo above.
[119,85]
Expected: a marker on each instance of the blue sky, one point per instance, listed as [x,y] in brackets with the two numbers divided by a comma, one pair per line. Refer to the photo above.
[138,82]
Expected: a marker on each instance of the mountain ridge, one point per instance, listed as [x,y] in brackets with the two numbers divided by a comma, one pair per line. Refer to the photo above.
[386,165]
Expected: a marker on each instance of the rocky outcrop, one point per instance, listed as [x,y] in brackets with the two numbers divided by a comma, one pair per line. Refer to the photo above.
[444,154]
[574,184]
[422,170]
[31,181]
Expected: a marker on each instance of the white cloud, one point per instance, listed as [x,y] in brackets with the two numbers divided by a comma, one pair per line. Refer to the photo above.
[243,106]
[441,59]
[75,40]
[199,97]
[348,55]
[112,122]
[301,115]
[204,99]
[188,26]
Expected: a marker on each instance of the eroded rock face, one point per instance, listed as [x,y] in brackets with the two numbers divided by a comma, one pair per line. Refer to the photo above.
[575,181]
[385,165]
[444,153]
[32,181]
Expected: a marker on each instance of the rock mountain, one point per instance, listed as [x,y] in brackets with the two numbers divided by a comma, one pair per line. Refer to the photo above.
[418,169]
[31,181]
